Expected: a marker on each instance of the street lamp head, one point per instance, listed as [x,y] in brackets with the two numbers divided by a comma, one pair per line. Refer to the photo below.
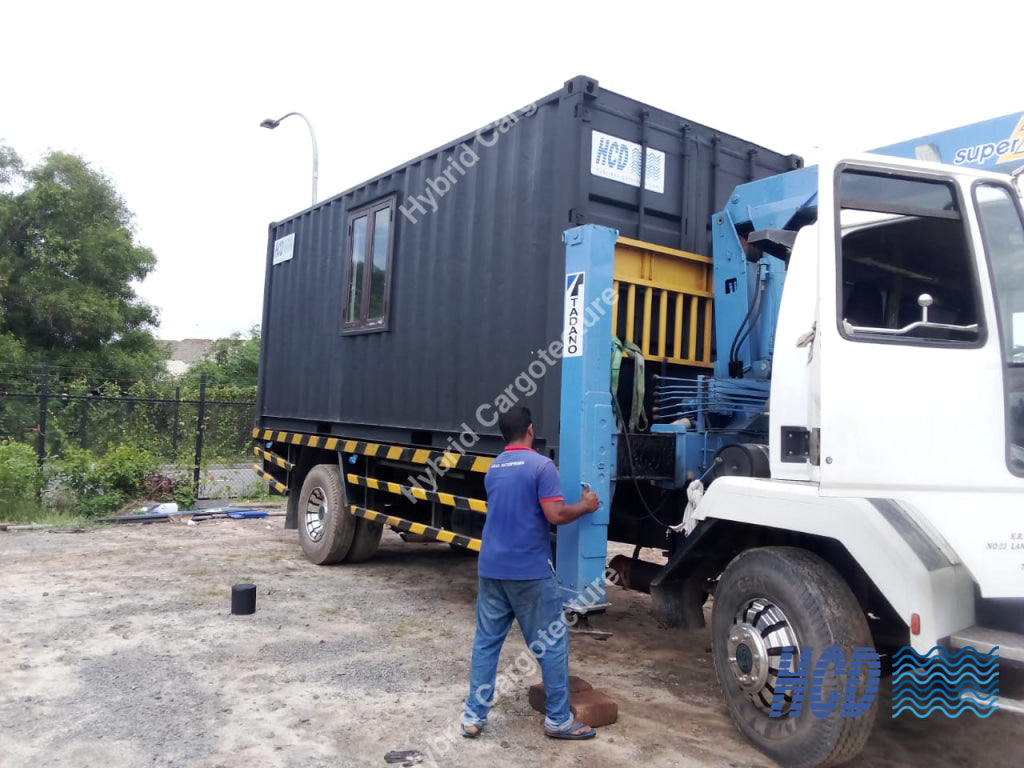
[268,123]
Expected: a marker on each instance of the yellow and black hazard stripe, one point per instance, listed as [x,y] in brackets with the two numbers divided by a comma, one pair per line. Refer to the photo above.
[442,459]
[274,482]
[274,459]
[418,528]
[448,499]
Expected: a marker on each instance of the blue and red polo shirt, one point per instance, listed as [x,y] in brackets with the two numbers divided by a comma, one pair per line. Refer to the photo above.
[516,543]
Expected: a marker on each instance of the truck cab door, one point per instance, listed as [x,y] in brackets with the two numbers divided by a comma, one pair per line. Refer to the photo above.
[910,383]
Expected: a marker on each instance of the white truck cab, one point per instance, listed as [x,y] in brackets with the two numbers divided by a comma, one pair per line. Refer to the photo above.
[892,510]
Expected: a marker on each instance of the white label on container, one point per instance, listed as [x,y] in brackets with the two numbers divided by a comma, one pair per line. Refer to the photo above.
[619,160]
[572,334]
[284,248]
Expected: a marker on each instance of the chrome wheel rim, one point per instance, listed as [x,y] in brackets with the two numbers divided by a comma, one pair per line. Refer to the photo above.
[759,634]
[316,511]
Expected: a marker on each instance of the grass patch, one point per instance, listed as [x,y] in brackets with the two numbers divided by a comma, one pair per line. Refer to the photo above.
[265,498]
[408,627]
[27,512]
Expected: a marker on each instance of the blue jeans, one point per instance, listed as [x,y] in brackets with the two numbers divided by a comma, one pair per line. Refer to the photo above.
[538,608]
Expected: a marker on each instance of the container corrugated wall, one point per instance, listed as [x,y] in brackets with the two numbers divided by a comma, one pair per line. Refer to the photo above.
[476,285]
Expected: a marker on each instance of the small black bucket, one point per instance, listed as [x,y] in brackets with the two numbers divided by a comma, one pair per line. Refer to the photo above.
[243,599]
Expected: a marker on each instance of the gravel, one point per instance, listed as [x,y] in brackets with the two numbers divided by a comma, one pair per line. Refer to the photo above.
[118,648]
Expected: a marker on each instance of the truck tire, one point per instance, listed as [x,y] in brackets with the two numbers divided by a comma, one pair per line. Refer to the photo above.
[326,528]
[365,541]
[774,597]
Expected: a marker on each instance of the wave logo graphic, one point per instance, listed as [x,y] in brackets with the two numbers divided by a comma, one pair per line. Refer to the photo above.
[952,683]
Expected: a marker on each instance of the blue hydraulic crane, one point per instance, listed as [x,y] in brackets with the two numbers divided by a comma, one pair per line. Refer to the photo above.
[751,237]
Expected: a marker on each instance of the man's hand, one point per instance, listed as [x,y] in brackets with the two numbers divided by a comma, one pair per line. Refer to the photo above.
[560,513]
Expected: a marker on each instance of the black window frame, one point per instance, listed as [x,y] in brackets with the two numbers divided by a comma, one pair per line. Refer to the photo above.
[1003,333]
[365,323]
[958,215]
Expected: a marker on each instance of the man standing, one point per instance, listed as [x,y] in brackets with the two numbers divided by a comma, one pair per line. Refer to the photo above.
[524,497]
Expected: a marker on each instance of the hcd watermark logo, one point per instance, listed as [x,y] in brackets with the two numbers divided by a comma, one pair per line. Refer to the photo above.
[950,683]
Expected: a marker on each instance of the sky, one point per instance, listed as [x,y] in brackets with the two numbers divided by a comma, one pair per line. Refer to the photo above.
[166,99]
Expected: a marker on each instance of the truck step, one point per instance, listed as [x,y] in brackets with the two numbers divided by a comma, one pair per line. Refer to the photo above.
[983,640]
[1016,706]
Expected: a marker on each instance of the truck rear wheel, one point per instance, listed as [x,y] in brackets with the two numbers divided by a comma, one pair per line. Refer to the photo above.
[365,541]
[775,597]
[326,528]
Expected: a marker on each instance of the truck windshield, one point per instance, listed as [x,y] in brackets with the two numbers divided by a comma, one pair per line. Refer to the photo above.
[1003,234]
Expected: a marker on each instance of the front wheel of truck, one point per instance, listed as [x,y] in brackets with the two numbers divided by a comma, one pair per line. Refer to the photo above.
[326,528]
[772,598]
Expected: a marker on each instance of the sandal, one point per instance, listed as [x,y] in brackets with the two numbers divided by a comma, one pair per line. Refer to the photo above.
[578,731]
[471,731]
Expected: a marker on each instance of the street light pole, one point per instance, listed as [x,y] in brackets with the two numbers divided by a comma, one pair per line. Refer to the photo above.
[271,124]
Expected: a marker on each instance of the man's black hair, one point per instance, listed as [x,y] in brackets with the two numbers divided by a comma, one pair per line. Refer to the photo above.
[514,423]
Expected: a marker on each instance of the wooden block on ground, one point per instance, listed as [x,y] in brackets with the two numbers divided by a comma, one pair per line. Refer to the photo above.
[538,699]
[593,707]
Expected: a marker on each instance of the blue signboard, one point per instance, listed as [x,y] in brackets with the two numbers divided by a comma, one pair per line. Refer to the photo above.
[992,145]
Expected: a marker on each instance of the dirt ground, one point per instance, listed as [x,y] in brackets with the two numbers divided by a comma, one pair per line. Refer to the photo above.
[118,648]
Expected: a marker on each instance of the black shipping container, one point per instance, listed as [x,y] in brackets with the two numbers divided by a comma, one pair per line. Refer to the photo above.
[469,283]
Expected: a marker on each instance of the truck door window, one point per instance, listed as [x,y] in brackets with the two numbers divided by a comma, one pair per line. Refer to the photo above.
[367,267]
[1003,235]
[906,272]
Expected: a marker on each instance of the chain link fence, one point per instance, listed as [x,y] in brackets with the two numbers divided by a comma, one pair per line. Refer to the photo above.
[198,433]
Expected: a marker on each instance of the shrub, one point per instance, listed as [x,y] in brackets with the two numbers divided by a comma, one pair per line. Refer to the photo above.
[21,479]
[105,485]
[124,470]
[77,471]
[175,487]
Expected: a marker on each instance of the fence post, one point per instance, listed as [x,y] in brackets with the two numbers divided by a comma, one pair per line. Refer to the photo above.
[44,392]
[84,427]
[200,418]
[174,429]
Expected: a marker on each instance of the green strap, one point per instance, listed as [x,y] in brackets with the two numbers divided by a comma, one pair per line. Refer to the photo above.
[637,417]
[616,363]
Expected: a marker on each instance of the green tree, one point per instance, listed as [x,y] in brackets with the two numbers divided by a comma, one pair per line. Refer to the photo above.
[10,165]
[12,351]
[68,258]
[231,363]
